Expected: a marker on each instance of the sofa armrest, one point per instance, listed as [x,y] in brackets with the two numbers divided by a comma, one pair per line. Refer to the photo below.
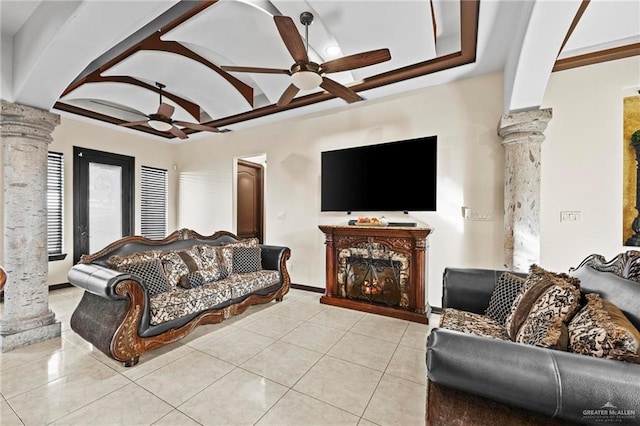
[551,382]
[98,280]
[468,289]
[272,256]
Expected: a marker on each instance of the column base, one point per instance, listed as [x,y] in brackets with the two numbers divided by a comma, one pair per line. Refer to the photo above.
[11,341]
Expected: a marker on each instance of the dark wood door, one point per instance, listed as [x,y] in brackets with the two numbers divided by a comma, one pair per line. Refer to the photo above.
[250,200]
[103,185]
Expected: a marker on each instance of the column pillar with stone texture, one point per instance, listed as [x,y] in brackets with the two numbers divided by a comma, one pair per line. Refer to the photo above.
[26,134]
[522,134]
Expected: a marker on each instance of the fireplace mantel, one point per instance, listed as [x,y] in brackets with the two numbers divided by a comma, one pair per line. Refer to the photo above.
[377,269]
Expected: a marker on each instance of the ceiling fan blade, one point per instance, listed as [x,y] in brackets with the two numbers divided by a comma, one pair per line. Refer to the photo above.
[165,110]
[196,126]
[291,38]
[133,123]
[177,132]
[256,70]
[357,60]
[338,89]
[288,95]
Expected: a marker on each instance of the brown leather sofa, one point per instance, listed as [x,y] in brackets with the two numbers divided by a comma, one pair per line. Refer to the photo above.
[121,316]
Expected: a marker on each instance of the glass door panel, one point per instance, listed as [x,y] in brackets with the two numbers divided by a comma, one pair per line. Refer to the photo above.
[105,205]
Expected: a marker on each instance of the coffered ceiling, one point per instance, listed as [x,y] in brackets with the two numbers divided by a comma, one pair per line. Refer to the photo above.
[188,46]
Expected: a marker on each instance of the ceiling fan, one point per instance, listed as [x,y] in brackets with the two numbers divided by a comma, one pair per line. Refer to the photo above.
[307,75]
[161,120]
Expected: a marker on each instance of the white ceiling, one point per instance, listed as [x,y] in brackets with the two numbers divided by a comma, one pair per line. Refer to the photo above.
[243,33]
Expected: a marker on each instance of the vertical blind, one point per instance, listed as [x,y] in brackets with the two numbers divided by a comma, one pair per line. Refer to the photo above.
[55,173]
[153,195]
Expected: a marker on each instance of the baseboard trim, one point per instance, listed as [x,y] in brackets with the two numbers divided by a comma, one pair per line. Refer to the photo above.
[436,310]
[307,288]
[60,286]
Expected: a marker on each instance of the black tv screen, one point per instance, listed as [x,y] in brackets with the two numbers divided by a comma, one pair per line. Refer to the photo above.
[394,176]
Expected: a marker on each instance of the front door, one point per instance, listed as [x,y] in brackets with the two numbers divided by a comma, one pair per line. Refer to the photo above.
[250,200]
[102,199]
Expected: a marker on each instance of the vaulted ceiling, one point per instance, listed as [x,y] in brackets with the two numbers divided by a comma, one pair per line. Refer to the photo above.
[102,60]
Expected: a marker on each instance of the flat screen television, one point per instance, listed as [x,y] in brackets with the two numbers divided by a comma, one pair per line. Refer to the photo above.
[393,176]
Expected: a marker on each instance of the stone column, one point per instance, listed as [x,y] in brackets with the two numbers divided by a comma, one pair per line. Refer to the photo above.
[26,134]
[522,135]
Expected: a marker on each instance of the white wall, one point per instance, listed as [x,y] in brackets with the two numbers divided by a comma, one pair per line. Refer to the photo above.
[464,116]
[582,161]
[147,151]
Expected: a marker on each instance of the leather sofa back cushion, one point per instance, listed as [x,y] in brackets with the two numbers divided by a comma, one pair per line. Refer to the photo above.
[600,329]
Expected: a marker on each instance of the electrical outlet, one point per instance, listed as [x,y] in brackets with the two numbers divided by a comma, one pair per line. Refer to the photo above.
[570,216]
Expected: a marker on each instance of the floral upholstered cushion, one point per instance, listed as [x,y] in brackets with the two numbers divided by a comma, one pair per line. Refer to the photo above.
[546,333]
[557,305]
[120,262]
[471,323]
[179,302]
[601,329]
[538,281]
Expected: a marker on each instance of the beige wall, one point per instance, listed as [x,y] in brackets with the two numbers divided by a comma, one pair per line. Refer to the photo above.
[147,151]
[463,115]
[582,161]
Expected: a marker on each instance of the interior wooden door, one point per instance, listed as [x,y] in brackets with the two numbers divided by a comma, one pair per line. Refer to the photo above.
[250,201]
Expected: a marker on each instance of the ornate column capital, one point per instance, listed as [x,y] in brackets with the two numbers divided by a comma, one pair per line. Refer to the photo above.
[526,126]
[26,122]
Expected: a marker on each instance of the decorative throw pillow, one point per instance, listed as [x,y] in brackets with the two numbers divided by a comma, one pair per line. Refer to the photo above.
[503,295]
[178,263]
[246,259]
[119,262]
[192,280]
[546,333]
[151,274]
[601,330]
[537,282]
[227,250]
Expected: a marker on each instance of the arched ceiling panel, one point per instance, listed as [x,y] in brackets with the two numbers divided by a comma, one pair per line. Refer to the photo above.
[186,78]
[129,96]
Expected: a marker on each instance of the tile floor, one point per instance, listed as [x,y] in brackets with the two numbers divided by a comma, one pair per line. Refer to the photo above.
[296,362]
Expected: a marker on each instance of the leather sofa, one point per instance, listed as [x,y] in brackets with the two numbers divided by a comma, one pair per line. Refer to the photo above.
[478,380]
[121,315]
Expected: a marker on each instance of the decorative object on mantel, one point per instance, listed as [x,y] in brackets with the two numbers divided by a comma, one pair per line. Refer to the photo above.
[634,240]
[377,269]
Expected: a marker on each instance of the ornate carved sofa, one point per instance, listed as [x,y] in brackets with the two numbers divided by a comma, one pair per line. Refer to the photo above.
[479,376]
[141,294]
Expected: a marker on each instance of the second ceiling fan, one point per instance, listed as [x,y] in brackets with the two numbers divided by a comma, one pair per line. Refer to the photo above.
[161,120]
[307,75]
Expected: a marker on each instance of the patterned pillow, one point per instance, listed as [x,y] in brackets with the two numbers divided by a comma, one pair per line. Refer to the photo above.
[544,333]
[119,262]
[537,282]
[246,259]
[178,263]
[151,274]
[503,295]
[192,280]
[227,250]
[601,330]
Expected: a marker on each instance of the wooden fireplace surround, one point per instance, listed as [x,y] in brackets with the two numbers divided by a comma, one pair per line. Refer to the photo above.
[410,241]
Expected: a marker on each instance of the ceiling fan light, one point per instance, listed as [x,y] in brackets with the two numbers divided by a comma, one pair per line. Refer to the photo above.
[159,125]
[306,80]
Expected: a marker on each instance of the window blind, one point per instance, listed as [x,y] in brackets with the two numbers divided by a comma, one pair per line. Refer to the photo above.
[153,195]
[55,182]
